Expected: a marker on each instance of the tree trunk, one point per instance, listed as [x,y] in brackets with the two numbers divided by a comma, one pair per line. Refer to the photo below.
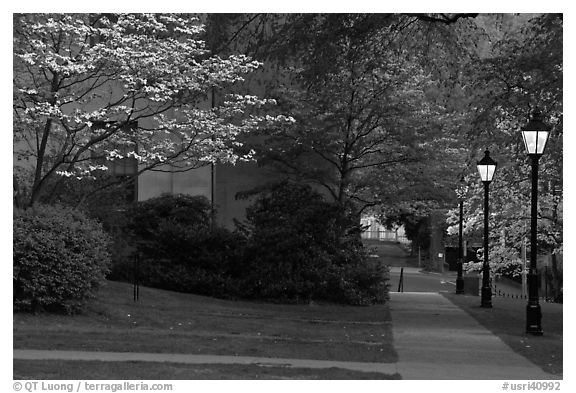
[17,196]
[38,180]
[557,281]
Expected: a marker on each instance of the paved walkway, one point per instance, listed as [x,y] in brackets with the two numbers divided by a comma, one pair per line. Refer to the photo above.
[32,354]
[435,340]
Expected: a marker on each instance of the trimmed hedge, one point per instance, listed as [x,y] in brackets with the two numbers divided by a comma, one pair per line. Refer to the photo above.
[60,259]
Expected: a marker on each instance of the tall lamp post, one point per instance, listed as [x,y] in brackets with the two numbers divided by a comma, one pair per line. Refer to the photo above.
[535,135]
[486,168]
[461,195]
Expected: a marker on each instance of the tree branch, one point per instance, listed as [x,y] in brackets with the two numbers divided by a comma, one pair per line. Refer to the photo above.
[442,18]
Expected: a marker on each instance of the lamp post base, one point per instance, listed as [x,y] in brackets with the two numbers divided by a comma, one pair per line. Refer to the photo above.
[486,300]
[459,286]
[534,319]
[533,310]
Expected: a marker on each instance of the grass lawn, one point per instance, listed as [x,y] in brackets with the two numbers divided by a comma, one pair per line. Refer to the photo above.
[170,322]
[507,320]
[50,369]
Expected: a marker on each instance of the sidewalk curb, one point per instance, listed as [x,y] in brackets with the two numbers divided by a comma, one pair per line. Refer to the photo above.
[408,370]
[32,354]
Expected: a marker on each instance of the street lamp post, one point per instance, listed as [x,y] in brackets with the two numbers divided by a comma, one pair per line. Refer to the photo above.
[486,168]
[535,135]
[461,194]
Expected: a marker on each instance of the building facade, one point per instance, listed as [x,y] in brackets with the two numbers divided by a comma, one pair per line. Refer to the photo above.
[219,183]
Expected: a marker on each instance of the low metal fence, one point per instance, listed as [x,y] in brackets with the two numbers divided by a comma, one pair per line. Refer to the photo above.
[544,295]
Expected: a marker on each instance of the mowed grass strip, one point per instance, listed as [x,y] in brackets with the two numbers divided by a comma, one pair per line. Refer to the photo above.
[89,370]
[507,320]
[169,322]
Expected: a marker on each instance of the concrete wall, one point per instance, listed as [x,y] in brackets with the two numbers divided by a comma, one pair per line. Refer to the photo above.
[194,182]
[233,179]
[229,180]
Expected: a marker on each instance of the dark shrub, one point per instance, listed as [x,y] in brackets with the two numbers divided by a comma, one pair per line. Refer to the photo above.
[60,259]
[180,250]
[298,250]
[358,284]
[147,216]
[293,247]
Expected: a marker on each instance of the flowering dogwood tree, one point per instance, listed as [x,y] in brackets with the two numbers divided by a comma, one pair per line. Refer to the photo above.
[91,89]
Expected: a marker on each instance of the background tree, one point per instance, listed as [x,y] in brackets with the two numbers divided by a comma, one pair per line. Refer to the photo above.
[522,70]
[366,114]
[362,89]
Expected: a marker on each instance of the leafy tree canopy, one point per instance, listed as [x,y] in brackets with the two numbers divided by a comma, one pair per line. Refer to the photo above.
[393,109]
